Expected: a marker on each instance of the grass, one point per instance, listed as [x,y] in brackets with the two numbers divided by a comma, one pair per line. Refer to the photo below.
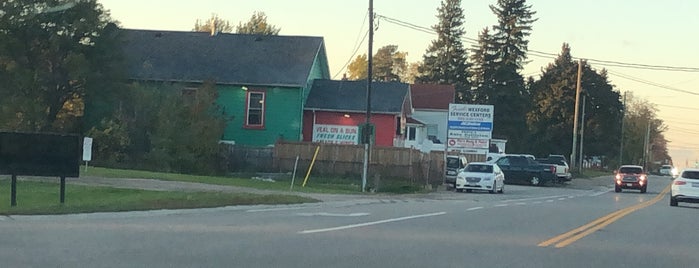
[313,185]
[43,198]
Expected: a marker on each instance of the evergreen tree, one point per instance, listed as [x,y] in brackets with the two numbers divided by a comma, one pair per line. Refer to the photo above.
[444,61]
[508,92]
[551,117]
[483,66]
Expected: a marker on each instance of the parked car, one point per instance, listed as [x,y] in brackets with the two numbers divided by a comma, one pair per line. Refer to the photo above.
[685,188]
[523,169]
[668,170]
[630,177]
[481,176]
[562,168]
[454,163]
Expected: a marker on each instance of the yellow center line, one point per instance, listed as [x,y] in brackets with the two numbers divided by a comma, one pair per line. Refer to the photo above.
[571,236]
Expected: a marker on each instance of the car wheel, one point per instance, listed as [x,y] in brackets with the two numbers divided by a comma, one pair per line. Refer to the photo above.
[460,190]
[469,190]
[643,189]
[492,191]
[534,181]
[673,202]
[617,189]
[502,189]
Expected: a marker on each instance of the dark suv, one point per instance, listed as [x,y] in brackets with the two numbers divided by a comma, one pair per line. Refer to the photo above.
[630,177]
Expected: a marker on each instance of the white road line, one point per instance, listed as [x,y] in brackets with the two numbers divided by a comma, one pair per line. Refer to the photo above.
[475,208]
[530,199]
[536,202]
[571,196]
[370,223]
[274,209]
[358,214]
[549,201]
[501,205]
[600,193]
[561,198]
[521,203]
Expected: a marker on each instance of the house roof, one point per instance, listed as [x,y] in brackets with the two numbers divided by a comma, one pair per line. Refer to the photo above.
[431,96]
[240,59]
[350,96]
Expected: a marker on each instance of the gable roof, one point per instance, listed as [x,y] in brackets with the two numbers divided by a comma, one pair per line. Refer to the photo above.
[241,59]
[432,96]
[350,96]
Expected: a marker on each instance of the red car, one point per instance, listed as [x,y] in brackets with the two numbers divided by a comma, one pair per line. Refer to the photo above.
[630,177]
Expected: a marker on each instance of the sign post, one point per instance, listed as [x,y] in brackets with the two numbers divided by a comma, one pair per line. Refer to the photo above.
[87,150]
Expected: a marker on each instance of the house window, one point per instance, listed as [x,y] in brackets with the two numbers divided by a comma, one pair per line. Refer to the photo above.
[255,110]
[189,95]
[412,133]
[432,130]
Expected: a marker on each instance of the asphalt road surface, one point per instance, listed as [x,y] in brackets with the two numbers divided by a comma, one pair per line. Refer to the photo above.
[524,227]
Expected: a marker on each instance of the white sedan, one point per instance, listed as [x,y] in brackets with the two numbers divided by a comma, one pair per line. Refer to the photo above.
[685,188]
[481,176]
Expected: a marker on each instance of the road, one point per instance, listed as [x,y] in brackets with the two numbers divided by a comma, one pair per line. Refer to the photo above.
[524,227]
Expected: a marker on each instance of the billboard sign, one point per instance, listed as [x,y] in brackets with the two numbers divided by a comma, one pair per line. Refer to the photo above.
[470,128]
[335,134]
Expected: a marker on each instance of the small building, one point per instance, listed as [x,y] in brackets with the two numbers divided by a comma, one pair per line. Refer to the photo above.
[427,125]
[262,80]
[335,109]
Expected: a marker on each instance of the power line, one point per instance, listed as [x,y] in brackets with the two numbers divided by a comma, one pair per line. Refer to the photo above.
[357,44]
[549,55]
[650,83]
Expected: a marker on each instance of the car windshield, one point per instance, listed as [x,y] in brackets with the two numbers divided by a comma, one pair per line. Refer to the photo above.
[480,168]
[452,162]
[694,175]
[666,167]
[631,170]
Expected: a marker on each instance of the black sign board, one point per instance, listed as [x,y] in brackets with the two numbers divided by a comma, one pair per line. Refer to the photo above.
[40,154]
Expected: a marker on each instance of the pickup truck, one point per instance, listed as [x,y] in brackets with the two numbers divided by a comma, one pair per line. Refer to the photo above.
[562,168]
[520,169]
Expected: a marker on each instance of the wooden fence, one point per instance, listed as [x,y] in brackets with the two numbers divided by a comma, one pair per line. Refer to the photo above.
[348,161]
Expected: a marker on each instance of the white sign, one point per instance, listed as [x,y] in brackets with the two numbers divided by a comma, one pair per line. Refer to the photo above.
[470,128]
[469,143]
[87,149]
[469,134]
[471,113]
[335,134]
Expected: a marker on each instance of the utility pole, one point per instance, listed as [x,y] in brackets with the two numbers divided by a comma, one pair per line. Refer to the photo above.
[575,120]
[646,147]
[621,145]
[582,135]
[368,130]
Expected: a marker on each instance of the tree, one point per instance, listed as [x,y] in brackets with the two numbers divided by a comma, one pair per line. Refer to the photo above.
[508,92]
[411,73]
[483,66]
[46,55]
[641,119]
[357,69]
[161,129]
[553,110]
[257,25]
[389,65]
[444,62]
[218,24]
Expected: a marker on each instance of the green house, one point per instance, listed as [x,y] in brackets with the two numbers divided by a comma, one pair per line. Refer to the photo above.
[262,80]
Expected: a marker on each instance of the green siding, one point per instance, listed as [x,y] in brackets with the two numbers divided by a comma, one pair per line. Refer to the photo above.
[319,70]
[282,115]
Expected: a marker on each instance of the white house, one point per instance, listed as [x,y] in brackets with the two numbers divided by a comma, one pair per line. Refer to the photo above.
[426,129]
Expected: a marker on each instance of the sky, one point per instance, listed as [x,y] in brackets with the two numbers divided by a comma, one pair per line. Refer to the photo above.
[649,32]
